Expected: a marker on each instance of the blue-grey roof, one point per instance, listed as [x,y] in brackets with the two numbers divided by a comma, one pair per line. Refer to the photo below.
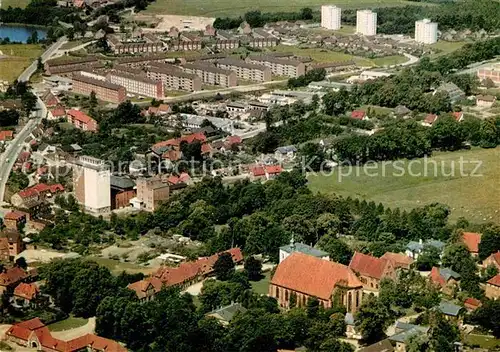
[404,326]
[414,246]
[349,319]
[405,335]
[435,243]
[227,313]
[449,308]
[417,246]
[304,248]
[287,149]
[447,273]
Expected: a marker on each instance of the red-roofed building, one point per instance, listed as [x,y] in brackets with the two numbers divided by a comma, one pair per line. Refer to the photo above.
[182,178]
[34,334]
[25,294]
[10,277]
[6,136]
[430,119]
[11,245]
[444,279]
[34,196]
[233,140]
[13,219]
[493,259]
[306,276]
[372,270]
[184,275]
[266,172]
[471,241]
[472,304]
[400,260]
[58,113]
[492,290]
[81,120]
[206,149]
[359,115]
[458,116]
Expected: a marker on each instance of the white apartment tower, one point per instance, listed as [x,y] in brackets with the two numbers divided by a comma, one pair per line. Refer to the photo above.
[91,183]
[331,17]
[426,31]
[366,22]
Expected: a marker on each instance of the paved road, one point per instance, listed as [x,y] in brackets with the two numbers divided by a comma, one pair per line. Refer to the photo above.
[15,147]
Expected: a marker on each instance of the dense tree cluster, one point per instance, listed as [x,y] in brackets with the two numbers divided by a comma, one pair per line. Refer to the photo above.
[314,75]
[9,118]
[258,19]
[41,12]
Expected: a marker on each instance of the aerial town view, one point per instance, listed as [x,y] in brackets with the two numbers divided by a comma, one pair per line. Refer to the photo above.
[249,176]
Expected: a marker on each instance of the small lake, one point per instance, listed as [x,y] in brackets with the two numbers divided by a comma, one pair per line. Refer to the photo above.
[18,33]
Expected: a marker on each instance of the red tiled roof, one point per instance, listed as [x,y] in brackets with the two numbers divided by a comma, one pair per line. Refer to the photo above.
[6,135]
[26,291]
[358,114]
[472,302]
[11,276]
[430,119]
[313,276]
[58,112]
[14,215]
[273,169]
[199,136]
[471,241]
[368,265]
[24,156]
[183,177]
[436,277]
[206,148]
[164,108]
[40,188]
[495,280]
[80,116]
[233,140]
[458,115]
[141,287]
[258,171]
[400,260]
[23,330]
[172,155]
[495,257]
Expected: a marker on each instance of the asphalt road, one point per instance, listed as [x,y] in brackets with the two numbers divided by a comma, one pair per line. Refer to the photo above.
[15,147]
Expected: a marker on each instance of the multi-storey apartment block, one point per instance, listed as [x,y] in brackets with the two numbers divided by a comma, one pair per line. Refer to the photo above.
[212,75]
[119,47]
[174,78]
[244,70]
[278,66]
[105,91]
[137,83]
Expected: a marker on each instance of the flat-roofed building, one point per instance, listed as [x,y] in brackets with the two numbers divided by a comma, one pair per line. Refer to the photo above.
[173,77]
[331,17]
[426,31]
[212,75]
[91,180]
[103,90]
[366,22]
[279,66]
[137,83]
[245,70]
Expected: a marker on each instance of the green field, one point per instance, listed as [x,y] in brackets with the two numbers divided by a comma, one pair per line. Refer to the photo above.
[235,9]
[483,341]
[262,287]
[389,60]
[116,266]
[18,57]
[69,323]
[14,3]
[446,47]
[473,197]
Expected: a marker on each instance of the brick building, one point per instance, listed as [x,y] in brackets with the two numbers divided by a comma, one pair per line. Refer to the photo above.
[119,47]
[227,44]
[33,196]
[81,120]
[493,259]
[173,77]
[55,66]
[105,91]
[371,270]
[122,191]
[212,75]
[445,279]
[152,191]
[184,45]
[14,219]
[11,245]
[263,42]
[492,289]
[327,282]
[137,83]
[279,66]
[244,70]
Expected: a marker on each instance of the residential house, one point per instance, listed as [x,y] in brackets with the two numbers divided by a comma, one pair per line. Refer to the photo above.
[81,120]
[445,278]
[14,219]
[492,289]
[35,335]
[485,101]
[451,311]
[471,304]
[122,191]
[10,277]
[402,338]
[458,116]
[12,243]
[400,260]
[414,249]
[266,172]
[493,259]
[245,28]
[304,276]
[6,136]
[471,241]
[225,314]
[381,346]
[184,275]
[359,115]
[35,195]
[429,120]
[285,153]
[371,270]
[25,294]
[286,251]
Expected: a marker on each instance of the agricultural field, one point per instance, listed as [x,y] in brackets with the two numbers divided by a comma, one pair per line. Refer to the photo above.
[446,47]
[14,3]
[471,195]
[14,58]
[230,8]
